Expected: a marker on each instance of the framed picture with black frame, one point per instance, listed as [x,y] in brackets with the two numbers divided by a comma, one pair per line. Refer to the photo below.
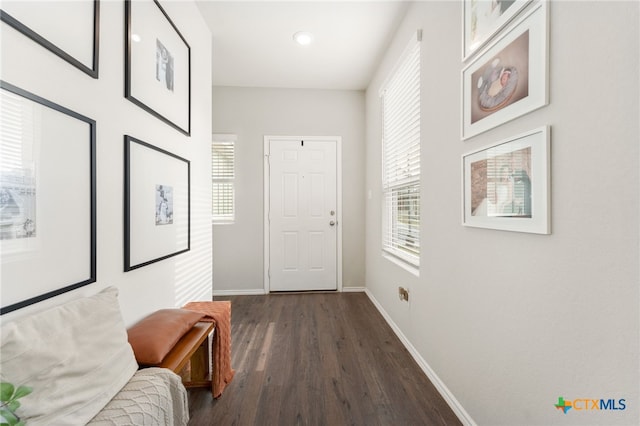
[157,64]
[75,38]
[47,199]
[157,204]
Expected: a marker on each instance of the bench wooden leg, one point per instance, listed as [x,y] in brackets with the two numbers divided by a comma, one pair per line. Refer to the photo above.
[200,371]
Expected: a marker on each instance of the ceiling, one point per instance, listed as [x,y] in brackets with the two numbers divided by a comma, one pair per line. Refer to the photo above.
[253,41]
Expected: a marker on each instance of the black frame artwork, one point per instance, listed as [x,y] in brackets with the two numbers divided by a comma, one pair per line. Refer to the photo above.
[60,208]
[154,45]
[90,69]
[157,204]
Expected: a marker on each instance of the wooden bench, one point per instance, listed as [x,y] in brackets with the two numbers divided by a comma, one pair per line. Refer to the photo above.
[190,357]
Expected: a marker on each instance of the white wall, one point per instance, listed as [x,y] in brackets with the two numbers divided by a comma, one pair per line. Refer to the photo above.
[171,282]
[511,321]
[252,113]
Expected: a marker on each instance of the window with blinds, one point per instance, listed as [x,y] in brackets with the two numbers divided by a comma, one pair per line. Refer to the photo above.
[222,179]
[401,157]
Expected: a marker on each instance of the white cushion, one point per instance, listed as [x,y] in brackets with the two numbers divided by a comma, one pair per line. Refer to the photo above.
[76,357]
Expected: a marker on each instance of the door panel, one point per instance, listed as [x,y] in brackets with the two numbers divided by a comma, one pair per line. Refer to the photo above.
[302,221]
[317,195]
[290,195]
[316,252]
[290,251]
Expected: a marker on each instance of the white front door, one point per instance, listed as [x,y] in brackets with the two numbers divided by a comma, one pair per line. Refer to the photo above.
[302,214]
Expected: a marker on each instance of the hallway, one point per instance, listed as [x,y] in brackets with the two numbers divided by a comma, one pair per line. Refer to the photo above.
[318,359]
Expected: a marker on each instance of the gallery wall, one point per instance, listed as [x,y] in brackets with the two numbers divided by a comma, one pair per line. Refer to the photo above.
[252,113]
[170,282]
[508,322]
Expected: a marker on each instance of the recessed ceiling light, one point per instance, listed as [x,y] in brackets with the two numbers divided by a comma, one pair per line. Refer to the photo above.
[303,38]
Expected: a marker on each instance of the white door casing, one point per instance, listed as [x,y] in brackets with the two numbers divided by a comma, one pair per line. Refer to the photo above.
[302,213]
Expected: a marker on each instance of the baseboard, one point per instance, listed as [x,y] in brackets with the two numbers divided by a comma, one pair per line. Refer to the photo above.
[260,291]
[251,292]
[353,289]
[455,405]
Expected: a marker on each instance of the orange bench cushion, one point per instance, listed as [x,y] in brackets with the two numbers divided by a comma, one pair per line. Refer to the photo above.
[154,336]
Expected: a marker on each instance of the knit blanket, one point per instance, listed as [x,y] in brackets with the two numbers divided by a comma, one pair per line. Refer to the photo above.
[220,314]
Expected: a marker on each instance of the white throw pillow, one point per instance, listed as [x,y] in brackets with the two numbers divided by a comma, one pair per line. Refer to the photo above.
[76,357]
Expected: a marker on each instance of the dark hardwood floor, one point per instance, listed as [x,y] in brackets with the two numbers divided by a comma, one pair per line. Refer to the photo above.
[318,359]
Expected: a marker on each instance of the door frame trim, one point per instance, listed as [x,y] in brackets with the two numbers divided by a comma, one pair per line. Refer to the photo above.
[267,198]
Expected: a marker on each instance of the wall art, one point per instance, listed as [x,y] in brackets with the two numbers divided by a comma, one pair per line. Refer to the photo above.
[157,199]
[47,198]
[506,186]
[74,38]
[482,19]
[158,64]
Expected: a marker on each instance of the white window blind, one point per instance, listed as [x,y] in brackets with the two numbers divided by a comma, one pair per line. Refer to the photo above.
[222,179]
[401,157]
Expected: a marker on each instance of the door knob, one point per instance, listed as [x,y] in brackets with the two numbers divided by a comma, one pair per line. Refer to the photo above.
[332,223]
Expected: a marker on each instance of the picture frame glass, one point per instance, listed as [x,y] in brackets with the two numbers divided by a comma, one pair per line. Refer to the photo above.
[501,81]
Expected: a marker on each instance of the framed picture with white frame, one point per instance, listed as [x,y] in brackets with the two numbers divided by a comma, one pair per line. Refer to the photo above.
[506,185]
[509,78]
[482,19]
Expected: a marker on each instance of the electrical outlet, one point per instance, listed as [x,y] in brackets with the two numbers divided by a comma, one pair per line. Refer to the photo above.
[403,293]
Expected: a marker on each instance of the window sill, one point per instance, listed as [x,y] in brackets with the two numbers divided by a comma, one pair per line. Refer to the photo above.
[219,222]
[412,269]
